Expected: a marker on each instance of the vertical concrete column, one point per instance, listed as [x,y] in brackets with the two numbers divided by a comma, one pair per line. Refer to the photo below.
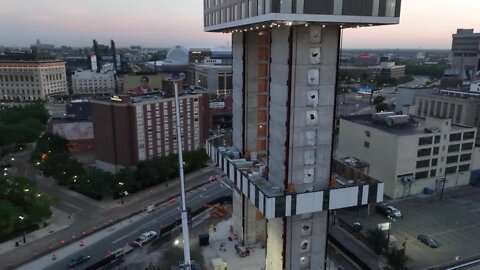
[301,135]
[237,93]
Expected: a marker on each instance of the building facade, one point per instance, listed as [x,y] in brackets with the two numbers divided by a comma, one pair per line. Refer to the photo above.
[412,156]
[463,110]
[285,61]
[216,80]
[91,83]
[32,80]
[131,129]
[466,54]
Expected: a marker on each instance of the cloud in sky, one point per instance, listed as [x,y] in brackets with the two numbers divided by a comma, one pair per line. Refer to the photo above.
[164,23]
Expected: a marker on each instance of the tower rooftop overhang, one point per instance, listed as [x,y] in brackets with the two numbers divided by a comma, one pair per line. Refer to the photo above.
[227,16]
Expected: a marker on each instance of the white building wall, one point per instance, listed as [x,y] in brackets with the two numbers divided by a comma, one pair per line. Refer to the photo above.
[393,158]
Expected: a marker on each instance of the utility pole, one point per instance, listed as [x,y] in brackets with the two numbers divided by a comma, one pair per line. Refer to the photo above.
[185,233]
[443,180]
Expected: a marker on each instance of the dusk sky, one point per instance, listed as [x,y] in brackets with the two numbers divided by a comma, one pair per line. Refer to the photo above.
[163,23]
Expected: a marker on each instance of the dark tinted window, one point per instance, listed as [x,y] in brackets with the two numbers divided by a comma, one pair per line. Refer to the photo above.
[455,137]
[467,146]
[435,150]
[437,139]
[425,140]
[423,163]
[424,152]
[434,162]
[433,173]
[465,157]
[468,135]
[450,170]
[421,175]
[463,168]
[452,159]
[454,148]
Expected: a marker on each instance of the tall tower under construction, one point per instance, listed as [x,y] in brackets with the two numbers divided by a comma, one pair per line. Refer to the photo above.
[285,64]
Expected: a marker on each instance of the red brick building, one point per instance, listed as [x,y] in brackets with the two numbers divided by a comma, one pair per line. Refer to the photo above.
[131,129]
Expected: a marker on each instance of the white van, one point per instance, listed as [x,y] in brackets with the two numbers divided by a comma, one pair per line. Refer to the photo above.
[144,238]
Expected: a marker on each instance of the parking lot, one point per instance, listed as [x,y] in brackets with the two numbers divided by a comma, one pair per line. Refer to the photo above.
[453,222]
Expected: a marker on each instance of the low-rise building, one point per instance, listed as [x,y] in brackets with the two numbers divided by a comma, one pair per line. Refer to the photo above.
[216,80]
[87,82]
[410,155]
[385,69]
[26,77]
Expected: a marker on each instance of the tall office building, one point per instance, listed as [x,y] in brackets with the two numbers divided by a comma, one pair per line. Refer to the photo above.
[285,62]
[466,54]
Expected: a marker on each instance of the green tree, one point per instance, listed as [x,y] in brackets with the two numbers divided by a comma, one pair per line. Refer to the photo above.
[94,183]
[378,100]
[381,107]
[8,217]
[377,239]
[127,177]
[19,196]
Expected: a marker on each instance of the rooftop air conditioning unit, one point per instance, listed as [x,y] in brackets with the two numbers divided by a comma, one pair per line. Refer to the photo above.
[397,120]
[382,116]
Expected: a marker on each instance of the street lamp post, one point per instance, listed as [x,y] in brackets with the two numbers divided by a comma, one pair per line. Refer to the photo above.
[123,193]
[184,215]
[390,219]
[24,238]
[443,180]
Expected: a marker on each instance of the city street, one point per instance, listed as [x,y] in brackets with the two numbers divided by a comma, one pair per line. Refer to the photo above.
[98,245]
[453,222]
[85,215]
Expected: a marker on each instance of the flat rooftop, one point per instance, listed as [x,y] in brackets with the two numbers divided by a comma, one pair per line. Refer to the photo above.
[414,127]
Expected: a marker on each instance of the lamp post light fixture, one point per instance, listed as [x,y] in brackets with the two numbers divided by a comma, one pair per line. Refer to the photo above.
[123,192]
[443,180]
[390,220]
[24,238]
[184,215]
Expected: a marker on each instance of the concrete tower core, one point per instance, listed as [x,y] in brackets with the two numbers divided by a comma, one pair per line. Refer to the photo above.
[285,62]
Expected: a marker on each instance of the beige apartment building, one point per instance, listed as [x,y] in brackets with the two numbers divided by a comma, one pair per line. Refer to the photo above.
[87,82]
[410,155]
[32,80]
[463,110]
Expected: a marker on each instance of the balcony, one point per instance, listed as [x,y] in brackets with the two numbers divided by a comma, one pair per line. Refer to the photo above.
[228,15]
[248,178]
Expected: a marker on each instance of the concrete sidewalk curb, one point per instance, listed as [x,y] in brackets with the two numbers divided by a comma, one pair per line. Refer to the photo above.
[101,227]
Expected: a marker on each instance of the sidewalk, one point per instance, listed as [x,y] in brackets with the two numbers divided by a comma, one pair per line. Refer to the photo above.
[112,212]
[59,221]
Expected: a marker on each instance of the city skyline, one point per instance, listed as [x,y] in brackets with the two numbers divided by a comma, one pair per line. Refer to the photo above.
[74,24]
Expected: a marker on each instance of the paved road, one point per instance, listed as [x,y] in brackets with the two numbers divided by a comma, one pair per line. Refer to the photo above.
[454,222]
[88,215]
[98,245]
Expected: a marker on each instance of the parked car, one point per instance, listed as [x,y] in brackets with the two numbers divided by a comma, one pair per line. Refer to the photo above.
[388,211]
[78,260]
[394,212]
[357,227]
[144,238]
[428,240]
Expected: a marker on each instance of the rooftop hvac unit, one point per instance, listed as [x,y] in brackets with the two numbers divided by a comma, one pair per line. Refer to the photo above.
[397,120]
[381,116]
